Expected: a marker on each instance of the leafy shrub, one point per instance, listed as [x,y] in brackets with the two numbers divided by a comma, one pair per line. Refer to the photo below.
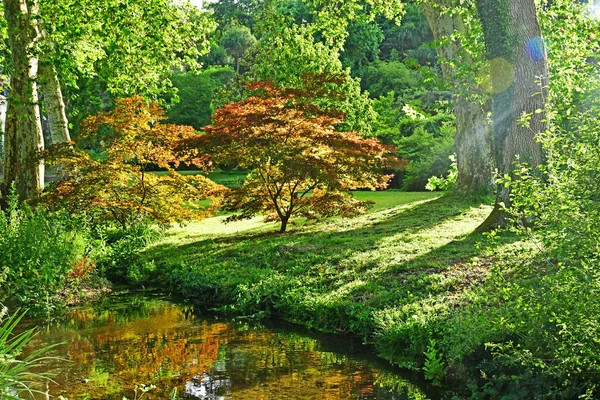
[434,367]
[120,256]
[441,182]
[40,252]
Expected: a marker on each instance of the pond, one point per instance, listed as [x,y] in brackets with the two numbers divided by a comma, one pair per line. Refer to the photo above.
[125,340]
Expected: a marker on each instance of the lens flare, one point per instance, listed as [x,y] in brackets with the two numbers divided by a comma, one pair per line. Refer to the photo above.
[535,49]
[497,76]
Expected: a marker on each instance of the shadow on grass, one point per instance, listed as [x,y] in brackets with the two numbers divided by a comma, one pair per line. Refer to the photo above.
[373,228]
[378,259]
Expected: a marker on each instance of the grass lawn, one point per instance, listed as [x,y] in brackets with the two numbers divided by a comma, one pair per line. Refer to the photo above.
[227,178]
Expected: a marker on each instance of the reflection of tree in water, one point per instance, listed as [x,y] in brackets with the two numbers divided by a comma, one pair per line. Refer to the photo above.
[156,342]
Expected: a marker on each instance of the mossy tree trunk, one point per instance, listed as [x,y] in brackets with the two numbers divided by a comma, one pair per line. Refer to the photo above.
[23,135]
[473,132]
[519,76]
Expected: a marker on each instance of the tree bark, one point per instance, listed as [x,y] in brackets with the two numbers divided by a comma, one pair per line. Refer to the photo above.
[473,132]
[284,222]
[23,137]
[2,129]
[54,102]
[513,39]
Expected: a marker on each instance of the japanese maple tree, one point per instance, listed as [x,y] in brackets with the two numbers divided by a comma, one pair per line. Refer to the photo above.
[117,184]
[299,164]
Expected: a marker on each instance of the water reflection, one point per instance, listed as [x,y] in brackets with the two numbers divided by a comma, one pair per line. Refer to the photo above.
[130,340]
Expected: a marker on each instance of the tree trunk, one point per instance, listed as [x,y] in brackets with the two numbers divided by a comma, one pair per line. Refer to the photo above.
[284,222]
[23,137]
[473,132]
[2,129]
[54,102]
[513,41]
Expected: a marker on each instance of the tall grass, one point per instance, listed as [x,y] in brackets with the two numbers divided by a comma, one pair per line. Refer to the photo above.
[16,371]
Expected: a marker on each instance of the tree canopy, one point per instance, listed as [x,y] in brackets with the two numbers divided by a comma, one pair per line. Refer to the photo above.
[299,164]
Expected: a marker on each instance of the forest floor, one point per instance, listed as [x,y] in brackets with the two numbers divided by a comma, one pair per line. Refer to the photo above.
[398,276]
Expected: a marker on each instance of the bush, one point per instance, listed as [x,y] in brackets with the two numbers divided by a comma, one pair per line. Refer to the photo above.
[119,259]
[40,252]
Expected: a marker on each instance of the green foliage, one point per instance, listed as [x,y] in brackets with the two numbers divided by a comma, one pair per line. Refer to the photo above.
[409,39]
[17,376]
[362,45]
[237,42]
[131,46]
[381,77]
[427,154]
[415,117]
[118,260]
[333,17]
[195,94]
[217,57]
[294,53]
[444,183]
[42,252]
[236,12]
[434,367]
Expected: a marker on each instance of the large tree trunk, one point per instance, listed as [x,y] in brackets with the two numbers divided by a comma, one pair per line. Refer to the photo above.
[23,138]
[473,132]
[54,102]
[513,41]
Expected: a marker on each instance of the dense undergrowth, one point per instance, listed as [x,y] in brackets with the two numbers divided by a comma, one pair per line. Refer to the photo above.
[50,260]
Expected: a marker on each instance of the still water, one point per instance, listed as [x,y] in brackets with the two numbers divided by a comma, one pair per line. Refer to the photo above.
[125,340]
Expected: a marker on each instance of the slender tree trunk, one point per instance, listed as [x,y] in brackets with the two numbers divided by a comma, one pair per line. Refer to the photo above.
[284,222]
[513,41]
[23,137]
[473,131]
[54,102]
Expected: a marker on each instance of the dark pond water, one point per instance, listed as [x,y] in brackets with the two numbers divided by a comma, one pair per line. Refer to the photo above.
[133,339]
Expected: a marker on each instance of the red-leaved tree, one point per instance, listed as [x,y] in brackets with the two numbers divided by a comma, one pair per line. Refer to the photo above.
[299,164]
